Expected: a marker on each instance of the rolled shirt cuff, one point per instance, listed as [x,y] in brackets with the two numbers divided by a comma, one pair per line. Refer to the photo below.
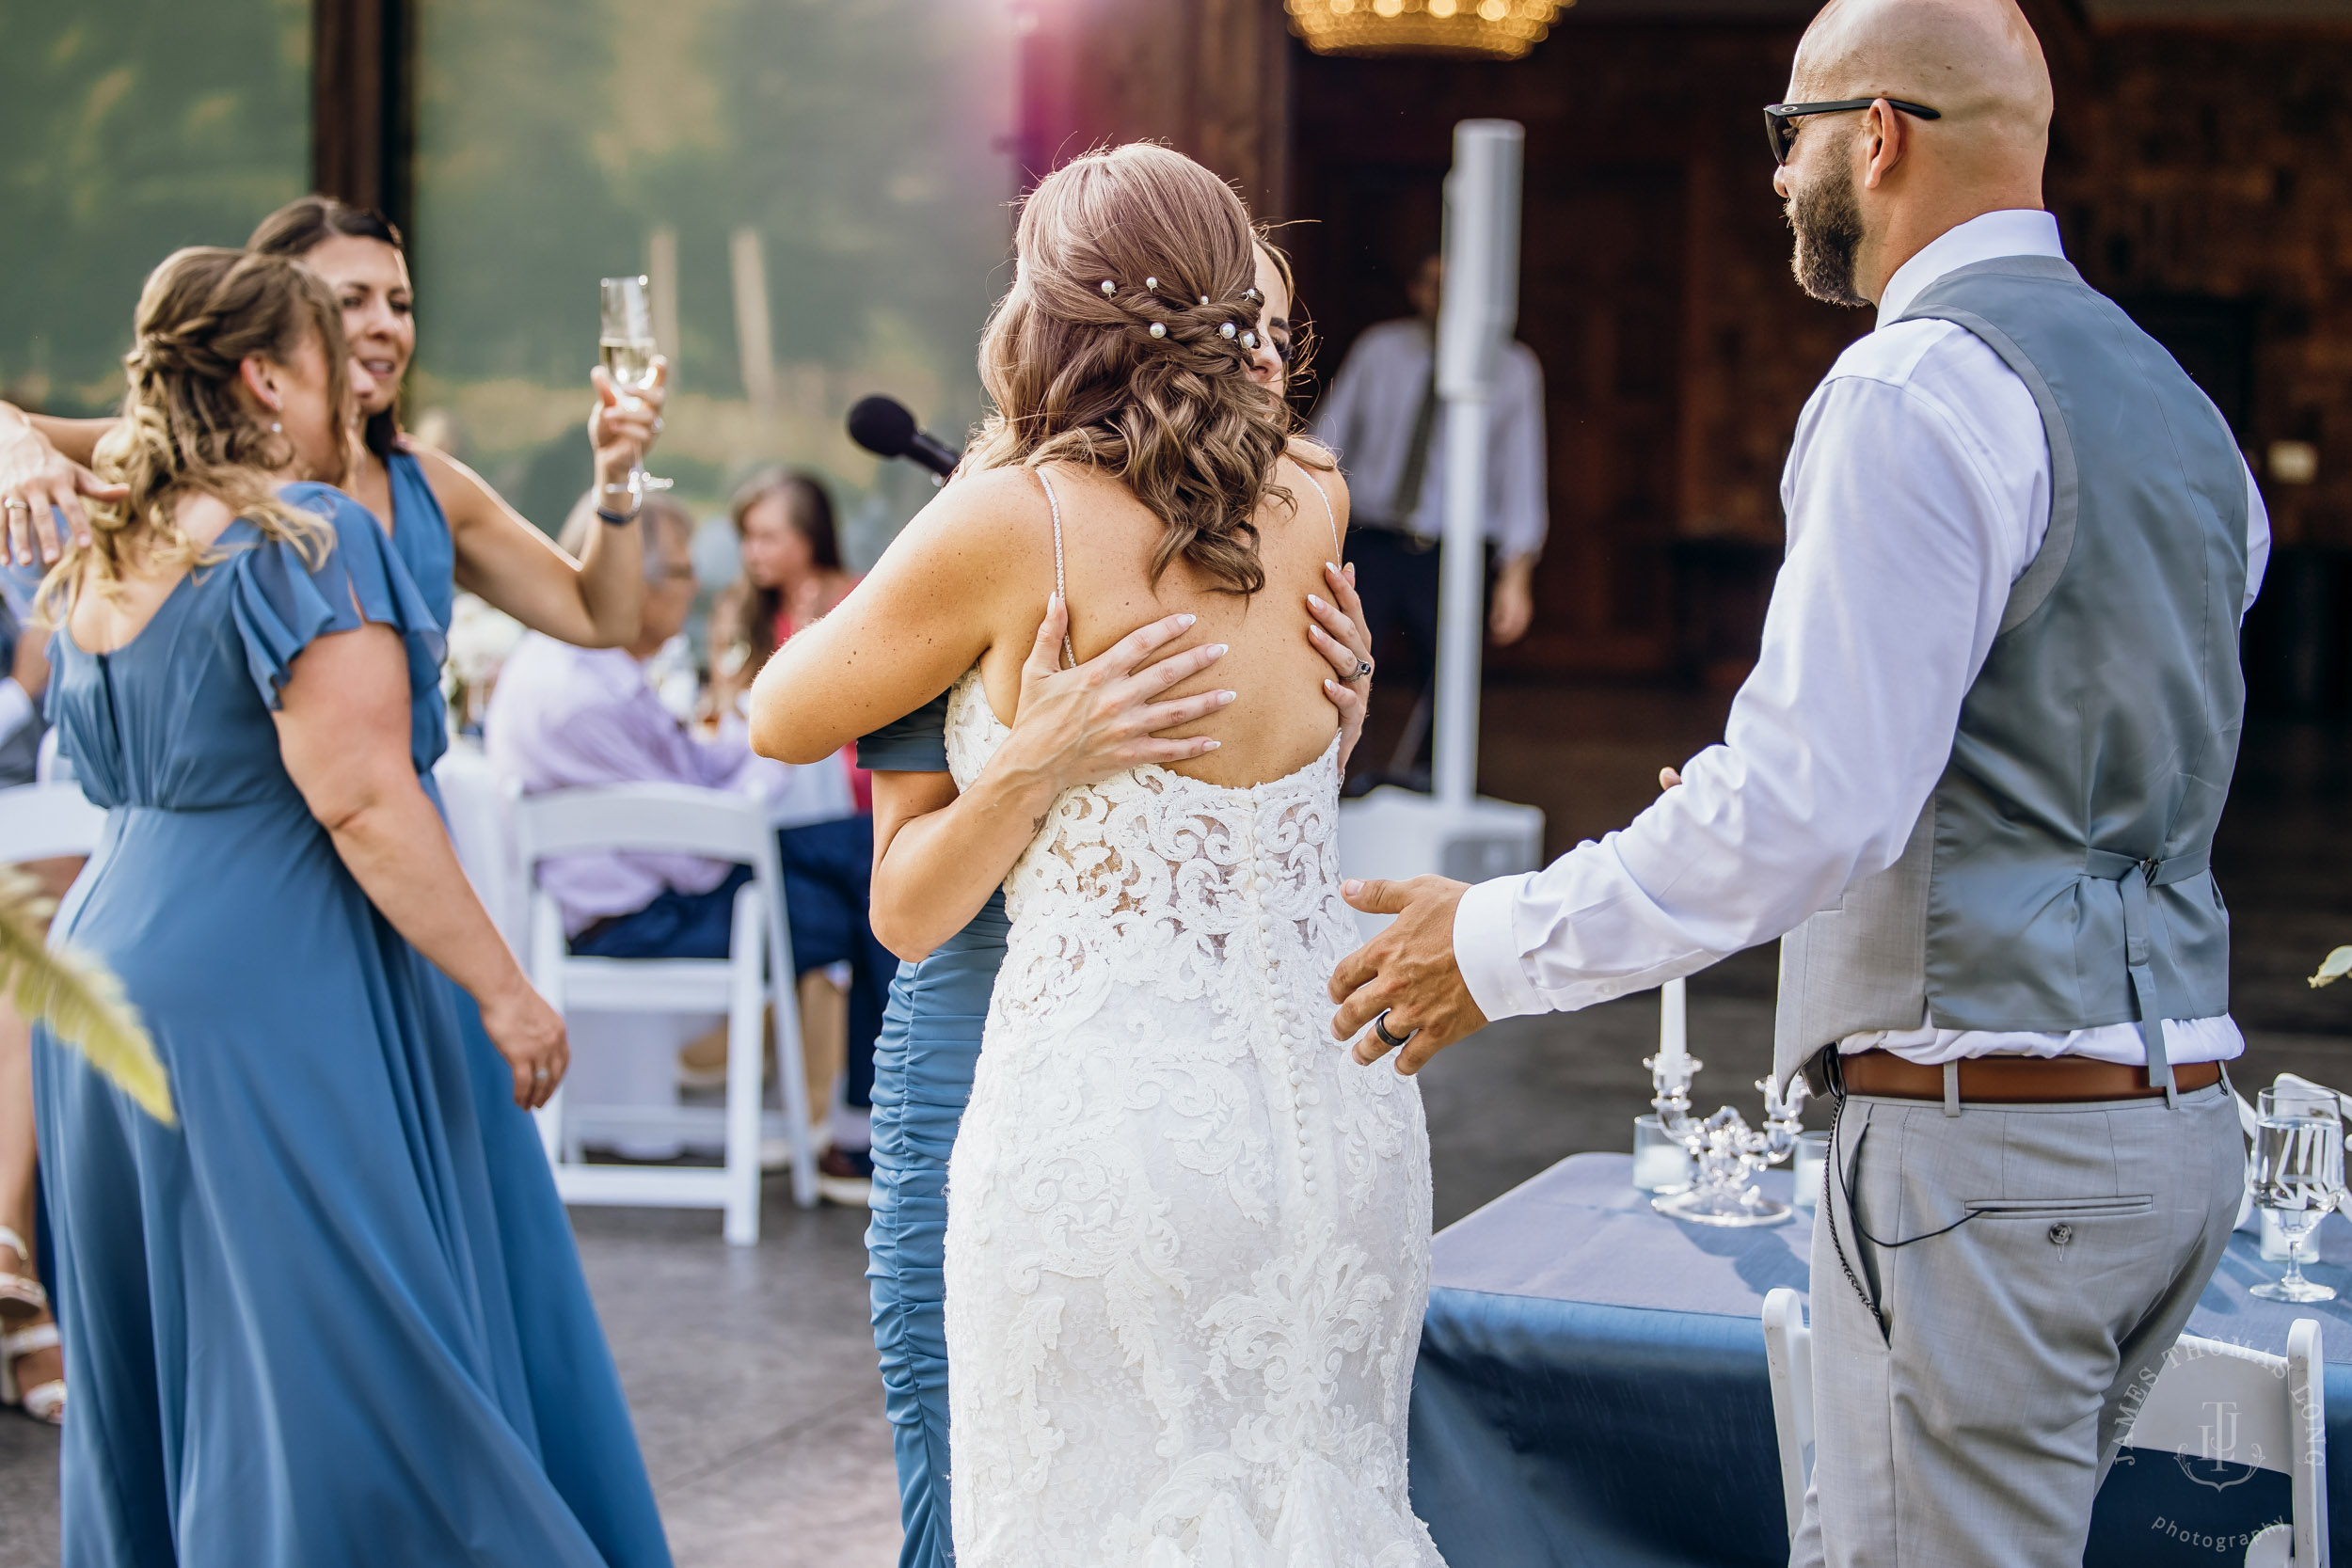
[1487,950]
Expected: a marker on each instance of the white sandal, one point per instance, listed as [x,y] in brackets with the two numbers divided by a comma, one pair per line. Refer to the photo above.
[42,1401]
[21,1299]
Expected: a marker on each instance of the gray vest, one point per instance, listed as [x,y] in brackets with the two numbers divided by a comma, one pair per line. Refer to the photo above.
[2059,877]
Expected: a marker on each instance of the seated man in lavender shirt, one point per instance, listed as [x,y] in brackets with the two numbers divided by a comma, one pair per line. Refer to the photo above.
[565,717]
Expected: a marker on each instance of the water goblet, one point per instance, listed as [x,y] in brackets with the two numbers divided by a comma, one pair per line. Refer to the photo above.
[2298,1176]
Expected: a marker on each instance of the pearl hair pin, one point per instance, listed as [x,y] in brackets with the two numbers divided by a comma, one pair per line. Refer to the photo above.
[1158,330]
[1151,282]
[1109,286]
[1204,299]
[1249,340]
[1227,330]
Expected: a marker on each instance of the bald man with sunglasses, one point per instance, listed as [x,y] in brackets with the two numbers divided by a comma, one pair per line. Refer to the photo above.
[1971,784]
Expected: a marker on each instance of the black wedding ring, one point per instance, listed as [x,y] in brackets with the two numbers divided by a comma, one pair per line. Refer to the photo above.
[1380,1027]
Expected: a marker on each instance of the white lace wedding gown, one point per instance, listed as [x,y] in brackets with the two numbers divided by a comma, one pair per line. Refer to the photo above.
[1187,1248]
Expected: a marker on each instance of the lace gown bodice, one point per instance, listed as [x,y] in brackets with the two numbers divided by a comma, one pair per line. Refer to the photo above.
[1188,1237]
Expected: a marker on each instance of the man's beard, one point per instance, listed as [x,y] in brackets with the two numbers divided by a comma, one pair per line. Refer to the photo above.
[1828,225]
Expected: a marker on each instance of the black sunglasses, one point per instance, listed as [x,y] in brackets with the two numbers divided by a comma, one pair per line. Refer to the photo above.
[1783,136]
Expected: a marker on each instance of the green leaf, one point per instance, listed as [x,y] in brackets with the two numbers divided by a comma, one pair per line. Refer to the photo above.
[81,1002]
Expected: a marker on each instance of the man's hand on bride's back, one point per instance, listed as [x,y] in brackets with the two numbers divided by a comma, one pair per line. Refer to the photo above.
[1079,725]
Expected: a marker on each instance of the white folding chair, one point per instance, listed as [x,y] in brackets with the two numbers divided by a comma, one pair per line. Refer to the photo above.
[2220,1401]
[50,763]
[479,810]
[2211,1402]
[680,820]
[1788,1357]
[41,820]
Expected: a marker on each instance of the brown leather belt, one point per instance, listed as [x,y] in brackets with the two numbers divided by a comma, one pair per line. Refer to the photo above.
[2016,1080]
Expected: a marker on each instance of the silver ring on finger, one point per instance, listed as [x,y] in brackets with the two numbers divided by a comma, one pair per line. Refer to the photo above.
[538,1075]
[16,504]
[1380,1027]
[1363,670]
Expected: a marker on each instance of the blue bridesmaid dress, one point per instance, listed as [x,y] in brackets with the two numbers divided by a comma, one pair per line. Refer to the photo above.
[923,1061]
[421,537]
[589,1445]
[295,1325]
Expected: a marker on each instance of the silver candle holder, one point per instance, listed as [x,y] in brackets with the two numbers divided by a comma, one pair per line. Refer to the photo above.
[1725,1154]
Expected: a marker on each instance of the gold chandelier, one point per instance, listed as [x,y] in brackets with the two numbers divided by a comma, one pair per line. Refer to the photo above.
[1467,29]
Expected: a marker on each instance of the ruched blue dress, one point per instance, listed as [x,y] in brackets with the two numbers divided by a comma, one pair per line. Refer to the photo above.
[923,1061]
[300,1326]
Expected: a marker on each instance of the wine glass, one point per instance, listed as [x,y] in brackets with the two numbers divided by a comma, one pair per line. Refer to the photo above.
[2298,1175]
[625,343]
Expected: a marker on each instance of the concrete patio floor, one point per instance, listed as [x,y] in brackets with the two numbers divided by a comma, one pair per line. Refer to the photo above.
[751,1375]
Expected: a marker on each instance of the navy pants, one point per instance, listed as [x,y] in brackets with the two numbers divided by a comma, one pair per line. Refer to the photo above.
[827,883]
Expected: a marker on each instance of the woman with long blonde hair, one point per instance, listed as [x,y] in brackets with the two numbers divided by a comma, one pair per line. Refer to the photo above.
[1186,1245]
[287,1325]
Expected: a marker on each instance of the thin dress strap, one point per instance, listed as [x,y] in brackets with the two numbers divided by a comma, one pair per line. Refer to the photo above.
[1054,502]
[1328,515]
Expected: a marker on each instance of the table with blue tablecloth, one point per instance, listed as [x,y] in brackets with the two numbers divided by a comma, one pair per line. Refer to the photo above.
[1592,1391]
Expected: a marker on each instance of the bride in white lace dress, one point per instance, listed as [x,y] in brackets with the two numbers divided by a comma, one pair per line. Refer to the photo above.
[1187,1238]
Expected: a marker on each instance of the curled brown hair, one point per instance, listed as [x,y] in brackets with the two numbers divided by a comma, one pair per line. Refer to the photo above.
[1145,378]
[185,430]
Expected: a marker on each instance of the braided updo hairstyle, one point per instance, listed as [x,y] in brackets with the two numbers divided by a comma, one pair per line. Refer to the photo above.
[1124,345]
[183,427]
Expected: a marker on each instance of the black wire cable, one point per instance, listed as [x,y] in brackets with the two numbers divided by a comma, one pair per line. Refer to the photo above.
[1838,1242]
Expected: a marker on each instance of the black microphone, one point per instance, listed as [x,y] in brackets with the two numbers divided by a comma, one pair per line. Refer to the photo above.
[886,427]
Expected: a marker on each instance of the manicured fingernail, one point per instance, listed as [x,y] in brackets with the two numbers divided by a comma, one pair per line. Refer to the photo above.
[1328,568]
[1217,650]
[1227,696]
[1186,620]
[1351,887]
[1317,603]
[1209,746]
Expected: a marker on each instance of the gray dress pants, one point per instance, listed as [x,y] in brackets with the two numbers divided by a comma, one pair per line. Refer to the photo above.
[1969,1421]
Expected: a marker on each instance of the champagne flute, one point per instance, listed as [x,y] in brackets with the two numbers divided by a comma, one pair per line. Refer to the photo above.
[2298,1175]
[625,343]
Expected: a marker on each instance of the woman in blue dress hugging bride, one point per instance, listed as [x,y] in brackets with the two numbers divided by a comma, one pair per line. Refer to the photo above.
[287,1336]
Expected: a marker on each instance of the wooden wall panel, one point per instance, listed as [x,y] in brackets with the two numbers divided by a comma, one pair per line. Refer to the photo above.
[363,103]
[1210,78]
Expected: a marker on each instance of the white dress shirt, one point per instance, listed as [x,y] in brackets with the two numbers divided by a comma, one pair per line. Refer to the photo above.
[1918,492]
[1367,419]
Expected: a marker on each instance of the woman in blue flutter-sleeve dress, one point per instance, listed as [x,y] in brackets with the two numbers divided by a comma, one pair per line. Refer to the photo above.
[292,1334]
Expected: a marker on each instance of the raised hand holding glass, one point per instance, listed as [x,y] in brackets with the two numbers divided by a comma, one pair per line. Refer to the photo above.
[625,343]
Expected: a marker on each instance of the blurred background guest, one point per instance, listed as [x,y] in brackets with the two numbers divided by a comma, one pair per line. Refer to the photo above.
[563,717]
[1384,418]
[23,676]
[32,1363]
[792,576]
